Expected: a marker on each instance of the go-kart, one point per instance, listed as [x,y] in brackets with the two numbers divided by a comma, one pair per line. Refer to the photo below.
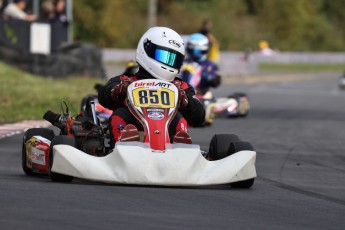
[154,160]
[235,105]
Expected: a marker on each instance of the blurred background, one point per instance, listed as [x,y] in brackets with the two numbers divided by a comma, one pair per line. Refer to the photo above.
[297,25]
[298,31]
[61,38]
[239,25]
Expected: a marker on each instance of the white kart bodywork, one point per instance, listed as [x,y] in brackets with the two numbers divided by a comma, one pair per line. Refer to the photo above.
[135,163]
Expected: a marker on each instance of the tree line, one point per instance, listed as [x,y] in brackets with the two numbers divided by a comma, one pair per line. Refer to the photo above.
[288,25]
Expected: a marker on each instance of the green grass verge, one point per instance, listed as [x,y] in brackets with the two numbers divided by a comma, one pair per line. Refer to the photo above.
[301,67]
[24,96]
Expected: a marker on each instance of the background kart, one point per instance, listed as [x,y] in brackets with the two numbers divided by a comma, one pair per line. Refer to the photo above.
[154,160]
[234,106]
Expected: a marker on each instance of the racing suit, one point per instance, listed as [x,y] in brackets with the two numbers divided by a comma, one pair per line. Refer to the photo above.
[200,75]
[193,114]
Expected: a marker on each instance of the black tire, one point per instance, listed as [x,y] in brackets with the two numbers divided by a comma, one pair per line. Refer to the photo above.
[238,95]
[220,144]
[44,132]
[236,147]
[66,140]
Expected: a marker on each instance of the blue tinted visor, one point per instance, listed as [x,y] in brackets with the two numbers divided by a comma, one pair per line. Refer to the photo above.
[196,51]
[164,55]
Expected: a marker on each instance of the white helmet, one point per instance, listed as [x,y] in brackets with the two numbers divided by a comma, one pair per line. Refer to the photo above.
[161,52]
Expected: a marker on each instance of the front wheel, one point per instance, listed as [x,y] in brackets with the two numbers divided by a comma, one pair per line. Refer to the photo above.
[244,107]
[220,144]
[43,132]
[210,115]
[65,140]
[234,148]
[223,145]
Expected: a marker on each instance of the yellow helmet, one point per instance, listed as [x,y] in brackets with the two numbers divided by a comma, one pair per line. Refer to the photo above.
[263,44]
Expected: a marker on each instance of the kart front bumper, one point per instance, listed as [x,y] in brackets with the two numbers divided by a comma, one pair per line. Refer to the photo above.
[135,163]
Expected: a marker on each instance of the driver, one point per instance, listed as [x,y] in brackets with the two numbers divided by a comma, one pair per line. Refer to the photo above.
[196,61]
[160,54]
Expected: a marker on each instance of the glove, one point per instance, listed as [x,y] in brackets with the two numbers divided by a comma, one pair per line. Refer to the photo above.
[215,81]
[119,91]
[182,97]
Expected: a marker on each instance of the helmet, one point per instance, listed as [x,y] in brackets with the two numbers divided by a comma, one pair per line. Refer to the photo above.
[263,44]
[131,68]
[161,52]
[197,47]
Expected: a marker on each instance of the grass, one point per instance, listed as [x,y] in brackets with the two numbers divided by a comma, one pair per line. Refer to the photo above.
[301,67]
[24,96]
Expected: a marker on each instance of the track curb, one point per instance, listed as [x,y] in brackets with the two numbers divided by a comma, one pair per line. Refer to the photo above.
[7,130]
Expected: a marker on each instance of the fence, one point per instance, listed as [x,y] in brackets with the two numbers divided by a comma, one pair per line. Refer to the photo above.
[18,33]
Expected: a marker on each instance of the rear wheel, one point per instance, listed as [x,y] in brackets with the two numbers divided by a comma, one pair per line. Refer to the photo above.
[65,140]
[43,132]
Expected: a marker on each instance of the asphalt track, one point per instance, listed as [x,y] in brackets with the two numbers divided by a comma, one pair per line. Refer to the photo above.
[297,128]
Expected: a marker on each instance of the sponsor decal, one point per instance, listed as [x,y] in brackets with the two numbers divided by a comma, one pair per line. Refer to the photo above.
[175,43]
[152,84]
[37,156]
[156,115]
[155,110]
[163,84]
[42,139]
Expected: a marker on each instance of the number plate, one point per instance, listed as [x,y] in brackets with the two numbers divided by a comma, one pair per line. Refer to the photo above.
[153,97]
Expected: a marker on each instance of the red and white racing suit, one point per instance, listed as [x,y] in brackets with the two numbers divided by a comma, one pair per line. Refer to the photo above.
[193,114]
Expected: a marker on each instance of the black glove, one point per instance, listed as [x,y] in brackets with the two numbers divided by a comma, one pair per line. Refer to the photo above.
[215,81]
[182,97]
[119,91]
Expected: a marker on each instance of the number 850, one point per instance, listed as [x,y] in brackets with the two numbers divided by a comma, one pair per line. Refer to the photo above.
[154,97]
